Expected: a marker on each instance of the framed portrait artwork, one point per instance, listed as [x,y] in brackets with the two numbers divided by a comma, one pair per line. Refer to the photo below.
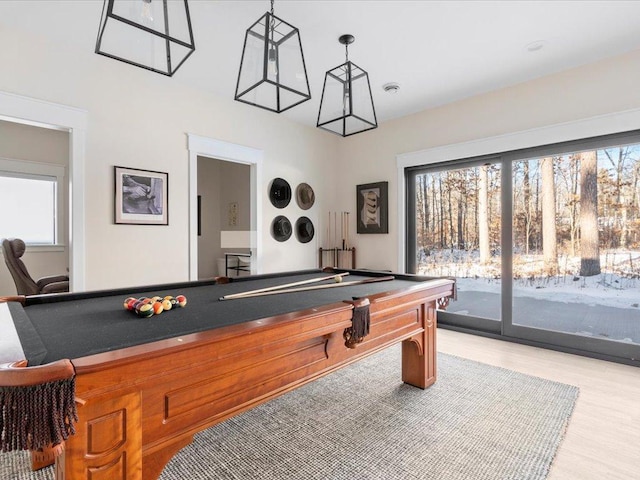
[372,207]
[141,197]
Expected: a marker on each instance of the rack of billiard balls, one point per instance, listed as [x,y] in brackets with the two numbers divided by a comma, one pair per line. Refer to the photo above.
[149,306]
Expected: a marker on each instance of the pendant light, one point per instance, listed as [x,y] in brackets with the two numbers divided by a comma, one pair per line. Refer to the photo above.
[346,106]
[272,72]
[152,34]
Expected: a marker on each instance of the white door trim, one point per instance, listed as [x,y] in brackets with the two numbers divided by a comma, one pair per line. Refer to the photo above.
[229,152]
[40,113]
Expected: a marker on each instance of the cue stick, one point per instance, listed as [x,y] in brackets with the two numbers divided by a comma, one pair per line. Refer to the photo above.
[284,285]
[346,230]
[344,238]
[328,240]
[335,226]
[314,287]
[336,242]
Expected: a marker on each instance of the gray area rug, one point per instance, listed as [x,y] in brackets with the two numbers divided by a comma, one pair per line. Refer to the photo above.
[477,422]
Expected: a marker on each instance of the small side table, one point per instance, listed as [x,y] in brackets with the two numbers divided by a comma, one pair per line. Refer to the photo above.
[238,268]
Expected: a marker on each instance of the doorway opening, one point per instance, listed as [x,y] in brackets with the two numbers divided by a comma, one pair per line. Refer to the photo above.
[73,121]
[224,205]
[232,212]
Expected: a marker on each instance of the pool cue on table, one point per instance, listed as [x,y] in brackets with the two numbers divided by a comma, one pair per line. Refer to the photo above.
[284,285]
[314,287]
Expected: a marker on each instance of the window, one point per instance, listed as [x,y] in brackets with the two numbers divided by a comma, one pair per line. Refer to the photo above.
[544,242]
[30,201]
[458,231]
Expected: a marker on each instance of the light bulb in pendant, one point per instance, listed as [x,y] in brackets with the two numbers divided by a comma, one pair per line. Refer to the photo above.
[345,99]
[272,62]
[146,14]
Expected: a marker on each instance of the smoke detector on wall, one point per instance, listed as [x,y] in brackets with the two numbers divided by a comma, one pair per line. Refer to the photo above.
[391,87]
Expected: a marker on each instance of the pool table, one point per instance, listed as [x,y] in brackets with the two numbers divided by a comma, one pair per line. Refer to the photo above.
[145,386]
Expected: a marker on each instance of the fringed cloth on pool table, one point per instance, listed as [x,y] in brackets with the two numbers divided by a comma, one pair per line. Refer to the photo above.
[359,325]
[35,417]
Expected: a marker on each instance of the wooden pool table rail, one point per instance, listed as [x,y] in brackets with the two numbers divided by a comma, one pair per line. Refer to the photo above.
[17,374]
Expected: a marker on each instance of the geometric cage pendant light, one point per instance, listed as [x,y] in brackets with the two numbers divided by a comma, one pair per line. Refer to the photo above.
[272,72]
[152,34]
[346,106]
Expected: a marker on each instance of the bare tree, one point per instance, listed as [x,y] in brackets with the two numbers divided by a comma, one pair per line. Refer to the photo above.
[449,187]
[549,239]
[476,217]
[526,186]
[589,248]
[441,219]
[574,173]
[483,214]
[422,208]
[435,224]
[461,219]
[619,163]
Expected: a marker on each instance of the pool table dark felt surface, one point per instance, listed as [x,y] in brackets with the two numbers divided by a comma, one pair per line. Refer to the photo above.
[78,328]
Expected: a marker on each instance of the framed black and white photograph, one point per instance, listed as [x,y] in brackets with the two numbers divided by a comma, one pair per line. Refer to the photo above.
[372,207]
[141,197]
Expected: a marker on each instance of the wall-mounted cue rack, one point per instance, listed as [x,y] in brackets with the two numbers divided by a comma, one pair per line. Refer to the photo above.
[339,253]
[337,258]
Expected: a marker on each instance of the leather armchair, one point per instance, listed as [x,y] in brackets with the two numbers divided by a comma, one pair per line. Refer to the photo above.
[12,250]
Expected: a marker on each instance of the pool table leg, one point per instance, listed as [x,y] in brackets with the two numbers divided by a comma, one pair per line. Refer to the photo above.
[153,463]
[419,352]
[107,444]
[45,456]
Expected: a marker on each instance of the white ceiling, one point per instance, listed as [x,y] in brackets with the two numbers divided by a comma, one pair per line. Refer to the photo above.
[438,51]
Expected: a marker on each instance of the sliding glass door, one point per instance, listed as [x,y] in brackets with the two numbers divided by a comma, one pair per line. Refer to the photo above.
[544,243]
[457,234]
[576,249]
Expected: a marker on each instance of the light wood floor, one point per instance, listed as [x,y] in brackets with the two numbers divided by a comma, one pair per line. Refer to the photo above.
[603,438]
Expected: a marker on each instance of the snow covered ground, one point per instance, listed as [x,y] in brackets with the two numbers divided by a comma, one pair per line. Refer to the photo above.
[606,306]
[618,285]
[567,302]
[605,289]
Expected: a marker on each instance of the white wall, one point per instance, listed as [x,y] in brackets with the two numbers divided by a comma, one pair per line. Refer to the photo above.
[140,119]
[597,89]
[34,144]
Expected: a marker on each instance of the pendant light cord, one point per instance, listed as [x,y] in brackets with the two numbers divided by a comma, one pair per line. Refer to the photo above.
[273,24]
